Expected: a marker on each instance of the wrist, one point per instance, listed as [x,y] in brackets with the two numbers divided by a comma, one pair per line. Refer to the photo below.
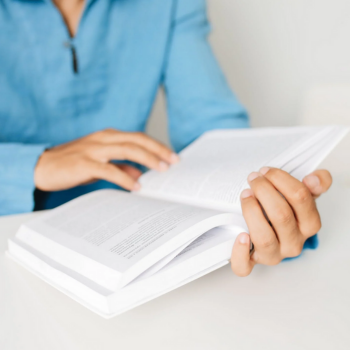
[39,173]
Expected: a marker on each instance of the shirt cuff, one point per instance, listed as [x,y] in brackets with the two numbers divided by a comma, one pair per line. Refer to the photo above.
[17,186]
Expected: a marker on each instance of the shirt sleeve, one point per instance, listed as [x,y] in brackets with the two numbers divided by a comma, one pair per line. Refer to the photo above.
[17,164]
[198,96]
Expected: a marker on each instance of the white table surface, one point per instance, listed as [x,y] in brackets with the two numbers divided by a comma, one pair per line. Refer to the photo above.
[300,304]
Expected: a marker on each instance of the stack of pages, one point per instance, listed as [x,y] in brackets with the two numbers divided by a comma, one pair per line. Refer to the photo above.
[111,250]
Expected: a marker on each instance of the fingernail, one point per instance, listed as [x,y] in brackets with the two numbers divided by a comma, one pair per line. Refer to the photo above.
[312,181]
[136,187]
[244,238]
[253,176]
[163,166]
[246,193]
[174,158]
[264,170]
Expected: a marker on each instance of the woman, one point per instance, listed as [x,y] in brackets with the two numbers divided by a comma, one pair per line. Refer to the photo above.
[77,83]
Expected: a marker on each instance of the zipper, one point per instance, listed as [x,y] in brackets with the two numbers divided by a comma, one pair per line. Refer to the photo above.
[73,50]
[75,59]
[75,64]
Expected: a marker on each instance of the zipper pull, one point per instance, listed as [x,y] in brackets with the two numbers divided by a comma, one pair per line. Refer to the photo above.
[74,56]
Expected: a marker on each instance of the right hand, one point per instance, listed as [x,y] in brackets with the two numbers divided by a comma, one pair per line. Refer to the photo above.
[88,159]
[281,214]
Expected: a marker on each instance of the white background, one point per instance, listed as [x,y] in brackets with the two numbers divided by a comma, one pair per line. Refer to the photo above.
[275,54]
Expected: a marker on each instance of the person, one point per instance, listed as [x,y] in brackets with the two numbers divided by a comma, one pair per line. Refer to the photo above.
[77,83]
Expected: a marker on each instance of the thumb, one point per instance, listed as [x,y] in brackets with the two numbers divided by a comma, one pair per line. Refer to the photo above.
[318,182]
[241,263]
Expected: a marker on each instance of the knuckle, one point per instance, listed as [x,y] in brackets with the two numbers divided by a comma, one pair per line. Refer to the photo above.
[267,243]
[274,260]
[99,133]
[314,227]
[109,131]
[317,225]
[94,136]
[302,195]
[293,250]
[95,150]
[139,135]
[143,139]
[283,216]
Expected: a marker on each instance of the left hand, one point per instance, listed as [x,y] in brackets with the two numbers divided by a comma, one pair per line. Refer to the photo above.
[294,217]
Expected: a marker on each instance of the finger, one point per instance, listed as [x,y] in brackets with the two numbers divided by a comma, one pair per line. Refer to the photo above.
[241,263]
[142,140]
[299,197]
[111,173]
[262,234]
[128,151]
[130,170]
[280,214]
[153,146]
[318,182]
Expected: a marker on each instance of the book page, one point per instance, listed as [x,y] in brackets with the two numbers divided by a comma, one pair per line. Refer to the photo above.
[116,229]
[308,161]
[214,169]
[206,241]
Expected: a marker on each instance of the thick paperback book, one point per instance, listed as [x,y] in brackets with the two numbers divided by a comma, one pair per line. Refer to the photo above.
[112,250]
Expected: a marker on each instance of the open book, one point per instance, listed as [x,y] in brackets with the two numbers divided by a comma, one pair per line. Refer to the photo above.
[111,250]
